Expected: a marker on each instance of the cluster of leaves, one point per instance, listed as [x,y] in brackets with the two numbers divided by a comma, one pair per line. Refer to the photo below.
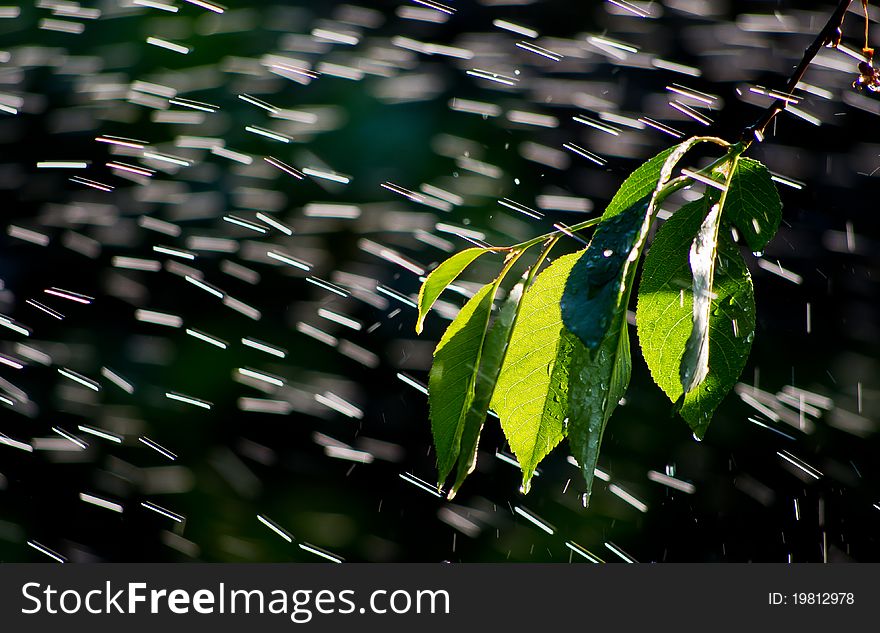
[552,359]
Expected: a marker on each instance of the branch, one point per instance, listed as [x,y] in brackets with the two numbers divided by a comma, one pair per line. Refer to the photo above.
[830,34]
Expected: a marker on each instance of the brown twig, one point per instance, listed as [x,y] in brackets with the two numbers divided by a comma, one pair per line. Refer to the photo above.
[830,34]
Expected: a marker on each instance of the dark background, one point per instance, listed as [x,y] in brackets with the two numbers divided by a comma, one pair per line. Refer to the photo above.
[234,465]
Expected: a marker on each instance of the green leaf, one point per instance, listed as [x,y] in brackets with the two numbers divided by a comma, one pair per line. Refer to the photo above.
[452,379]
[695,360]
[594,289]
[753,203]
[531,394]
[664,315]
[494,350]
[603,274]
[441,277]
[639,184]
[593,306]
[597,382]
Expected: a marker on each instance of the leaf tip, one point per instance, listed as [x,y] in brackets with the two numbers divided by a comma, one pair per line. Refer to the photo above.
[585,497]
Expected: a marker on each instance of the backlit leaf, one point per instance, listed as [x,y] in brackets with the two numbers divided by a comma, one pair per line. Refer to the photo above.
[597,382]
[438,280]
[494,350]
[665,314]
[753,203]
[452,380]
[531,395]
[602,275]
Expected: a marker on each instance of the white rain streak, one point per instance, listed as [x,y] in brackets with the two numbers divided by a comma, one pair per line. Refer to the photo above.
[412,382]
[436,6]
[275,528]
[174,252]
[334,402]
[210,6]
[165,512]
[158,448]
[70,437]
[326,175]
[317,551]
[580,151]
[207,338]
[171,46]
[44,308]
[275,224]
[80,379]
[671,482]
[262,377]
[46,551]
[205,286]
[537,50]
[515,28]
[290,261]
[800,464]
[534,520]
[69,295]
[662,127]
[620,553]
[62,164]
[117,380]
[196,402]
[8,441]
[264,347]
[341,319]
[158,318]
[779,271]
[628,497]
[317,334]
[100,502]
[105,435]
[421,484]
[383,252]
[348,454]
[27,235]
[584,552]
[326,285]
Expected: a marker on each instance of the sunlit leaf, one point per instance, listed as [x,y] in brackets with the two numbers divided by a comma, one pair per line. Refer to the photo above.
[441,277]
[665,315]
[494,350]
[753,203]
[597,382]
[695,360]
[452,380]
[531,393]
[594,289]
[640,184]
[594,303]
[601,277]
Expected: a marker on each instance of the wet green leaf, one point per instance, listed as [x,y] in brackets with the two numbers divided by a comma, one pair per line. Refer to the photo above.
[640,184]
[592,297]
[452,380]
[440,278]
[602,276]
[664,315]
[531,394]
[597,382]
[753,203]
[494,350]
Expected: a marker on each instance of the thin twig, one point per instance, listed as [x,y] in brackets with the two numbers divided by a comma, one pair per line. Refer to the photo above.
[830,34]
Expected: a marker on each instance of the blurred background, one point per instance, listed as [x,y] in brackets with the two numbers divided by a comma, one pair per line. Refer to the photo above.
[215,220]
